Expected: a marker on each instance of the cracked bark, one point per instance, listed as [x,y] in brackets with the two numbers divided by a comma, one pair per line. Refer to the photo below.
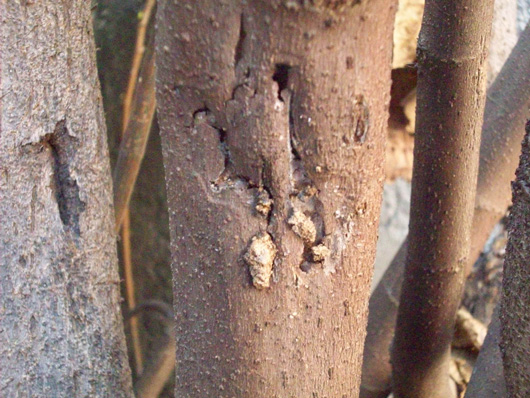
[293,100]
[61,332]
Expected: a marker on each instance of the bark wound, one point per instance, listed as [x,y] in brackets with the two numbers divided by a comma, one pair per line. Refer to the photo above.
[333,5]
[305,219]
[260,259]
[262,251]
[361,120]
[239,46]
[66,188]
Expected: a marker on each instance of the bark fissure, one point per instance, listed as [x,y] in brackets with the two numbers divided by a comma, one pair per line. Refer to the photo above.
[66,188]
[281,77]
[238,54]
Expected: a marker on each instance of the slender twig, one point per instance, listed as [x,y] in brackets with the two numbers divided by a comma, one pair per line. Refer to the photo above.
[137,61]
[159,368]
[132,147]
[123,211]
[129,292]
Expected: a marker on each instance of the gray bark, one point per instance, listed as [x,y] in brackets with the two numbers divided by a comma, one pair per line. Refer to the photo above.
[487,380]
[61,332]
[514,314]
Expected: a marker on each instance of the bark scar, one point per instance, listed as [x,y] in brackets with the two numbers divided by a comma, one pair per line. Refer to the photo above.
[69,203]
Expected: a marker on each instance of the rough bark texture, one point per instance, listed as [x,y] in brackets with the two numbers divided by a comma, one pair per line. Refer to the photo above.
[61,332]
[273,117]
[115,26]
[515,318]
[487,380]
[506,108]
[451,94]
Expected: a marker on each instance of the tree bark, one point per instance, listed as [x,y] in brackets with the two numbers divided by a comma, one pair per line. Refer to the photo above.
[487,380]
[515,320]
[506,108]
[273,117]
[451,93]
[61,332]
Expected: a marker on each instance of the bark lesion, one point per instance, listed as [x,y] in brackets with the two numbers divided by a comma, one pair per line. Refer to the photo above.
[228,177]
[62,148]
[238,52]
[318,5]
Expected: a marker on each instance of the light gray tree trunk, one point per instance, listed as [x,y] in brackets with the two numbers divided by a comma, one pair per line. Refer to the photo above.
[61,331]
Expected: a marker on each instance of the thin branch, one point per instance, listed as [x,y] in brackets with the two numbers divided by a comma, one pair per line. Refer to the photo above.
[134,142]
[451,99]
[137,61]
[121,210]
[505,112]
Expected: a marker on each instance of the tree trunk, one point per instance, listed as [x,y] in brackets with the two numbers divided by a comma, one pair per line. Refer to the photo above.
[273,118]
[487,380]
[515,319]
[62,333]
[506,108]
[451,93]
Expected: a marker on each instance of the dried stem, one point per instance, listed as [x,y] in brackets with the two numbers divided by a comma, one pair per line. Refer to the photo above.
[139,50]
[128,137]
[129,291]
[132,147]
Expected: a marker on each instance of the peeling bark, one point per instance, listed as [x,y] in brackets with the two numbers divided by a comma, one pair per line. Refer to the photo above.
[61,332]
[288,98]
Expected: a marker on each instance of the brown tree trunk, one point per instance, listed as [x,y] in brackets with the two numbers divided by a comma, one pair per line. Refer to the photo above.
[506,108]
[273,118]
[515,319]
[62,333]
[452,50]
